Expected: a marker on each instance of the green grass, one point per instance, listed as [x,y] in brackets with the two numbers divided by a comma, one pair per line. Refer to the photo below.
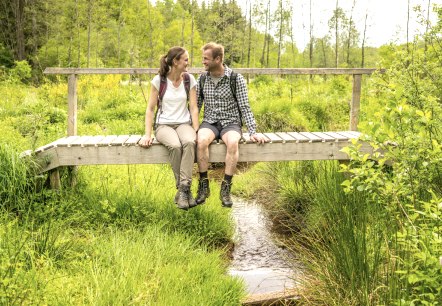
[116,238]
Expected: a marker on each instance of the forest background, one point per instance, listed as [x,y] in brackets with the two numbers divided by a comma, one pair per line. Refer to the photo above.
[366,233]
[135,33]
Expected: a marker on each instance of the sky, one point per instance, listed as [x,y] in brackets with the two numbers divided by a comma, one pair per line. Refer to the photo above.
[387,19]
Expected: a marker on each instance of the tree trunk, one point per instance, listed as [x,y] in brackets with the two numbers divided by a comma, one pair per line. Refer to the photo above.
[192,31]
[280,34]
[249,47]
[350,23]
[408,24]
[265,35]
[363,41]
[89,26]
[310,51]
[18,10]
[336,34]
[77,15]
[427,27]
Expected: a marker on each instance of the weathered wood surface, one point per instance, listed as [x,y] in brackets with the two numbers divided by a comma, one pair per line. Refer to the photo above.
[268,71]
[124,149]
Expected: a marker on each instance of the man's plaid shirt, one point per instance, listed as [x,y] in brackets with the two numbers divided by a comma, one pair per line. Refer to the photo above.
[220,105]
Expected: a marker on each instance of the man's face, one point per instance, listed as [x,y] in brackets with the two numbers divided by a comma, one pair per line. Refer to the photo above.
[208,61]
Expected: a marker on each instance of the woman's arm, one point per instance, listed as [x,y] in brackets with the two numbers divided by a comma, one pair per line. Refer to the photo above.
[193,108]
[147,139]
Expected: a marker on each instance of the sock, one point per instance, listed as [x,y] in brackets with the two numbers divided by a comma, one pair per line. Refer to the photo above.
[228,178]
[203,175]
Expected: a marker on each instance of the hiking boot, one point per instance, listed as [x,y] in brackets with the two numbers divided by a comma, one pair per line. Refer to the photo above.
[177,195]
[192,202]
[224,194]
[183,197]
[203,191]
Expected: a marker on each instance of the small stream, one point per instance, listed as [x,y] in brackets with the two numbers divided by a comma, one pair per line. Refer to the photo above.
[256,257]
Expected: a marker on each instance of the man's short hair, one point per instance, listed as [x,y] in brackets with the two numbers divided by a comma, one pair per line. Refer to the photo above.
[217,50]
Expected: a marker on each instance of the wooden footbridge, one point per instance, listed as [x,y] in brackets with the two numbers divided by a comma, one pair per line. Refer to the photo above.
[79,150]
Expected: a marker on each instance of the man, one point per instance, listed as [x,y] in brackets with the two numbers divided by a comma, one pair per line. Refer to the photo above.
[222,119]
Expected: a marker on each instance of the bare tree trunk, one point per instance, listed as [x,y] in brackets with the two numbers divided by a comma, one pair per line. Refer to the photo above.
[280,34]
[427,27]
[18,10]
[265,35]
[249,47]
[310,51]
[77,15]
[192,32]
[183,24]
[150,30]
[268,36]
[292,40]
[350,23]
[363,41]
[89,26]
[408,25]
[120,23]
[336,34]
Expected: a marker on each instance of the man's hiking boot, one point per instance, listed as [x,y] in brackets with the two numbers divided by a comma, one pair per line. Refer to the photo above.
[182,201]
[203,191]
[224,194]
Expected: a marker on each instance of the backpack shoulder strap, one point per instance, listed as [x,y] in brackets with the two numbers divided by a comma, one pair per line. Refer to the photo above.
[186,80]
[162,91]
[233,77]
[202,80]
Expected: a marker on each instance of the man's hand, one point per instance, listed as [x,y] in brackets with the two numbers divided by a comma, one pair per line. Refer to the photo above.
[258,138]
[146,141]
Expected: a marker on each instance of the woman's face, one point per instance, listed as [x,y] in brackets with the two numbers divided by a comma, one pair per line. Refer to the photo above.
[182,63]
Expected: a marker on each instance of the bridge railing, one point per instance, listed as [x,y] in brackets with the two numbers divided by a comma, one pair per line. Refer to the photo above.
[73,74]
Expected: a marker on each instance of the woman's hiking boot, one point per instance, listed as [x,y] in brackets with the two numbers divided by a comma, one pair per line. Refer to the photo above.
[182,201]
[224,194]
[192,202]
[203,191]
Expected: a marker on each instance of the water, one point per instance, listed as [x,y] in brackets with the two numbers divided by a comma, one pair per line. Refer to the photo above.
[256,258]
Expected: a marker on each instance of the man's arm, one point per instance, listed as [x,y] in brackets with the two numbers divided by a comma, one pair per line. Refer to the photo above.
[246,112]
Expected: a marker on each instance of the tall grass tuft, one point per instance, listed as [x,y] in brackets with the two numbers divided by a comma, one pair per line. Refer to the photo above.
[17,180]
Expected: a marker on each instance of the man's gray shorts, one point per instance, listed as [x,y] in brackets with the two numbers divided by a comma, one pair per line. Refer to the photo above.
[218,130]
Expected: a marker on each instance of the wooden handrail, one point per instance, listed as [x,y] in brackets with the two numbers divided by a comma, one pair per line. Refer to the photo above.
[74,72]
[268,71]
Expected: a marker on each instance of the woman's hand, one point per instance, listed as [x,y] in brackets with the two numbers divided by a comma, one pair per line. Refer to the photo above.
[146,141]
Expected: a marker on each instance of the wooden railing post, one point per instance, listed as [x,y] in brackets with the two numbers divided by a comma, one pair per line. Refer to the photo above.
[72,105]
[355,102]
[54,176]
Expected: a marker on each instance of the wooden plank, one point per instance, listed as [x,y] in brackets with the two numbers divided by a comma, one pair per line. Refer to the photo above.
[245,138]
[120,140]
[353,134]
[324,136]
[79,141]
[311,137]
[273,137]
[133,140]
[248,152]
[198,70]
[93,141]
[50,145]
[337,136]
[107,140]
[66,141]
[286,137]
[299,137]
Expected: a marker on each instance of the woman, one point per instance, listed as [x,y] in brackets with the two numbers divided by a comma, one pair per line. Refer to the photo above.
[175,124]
